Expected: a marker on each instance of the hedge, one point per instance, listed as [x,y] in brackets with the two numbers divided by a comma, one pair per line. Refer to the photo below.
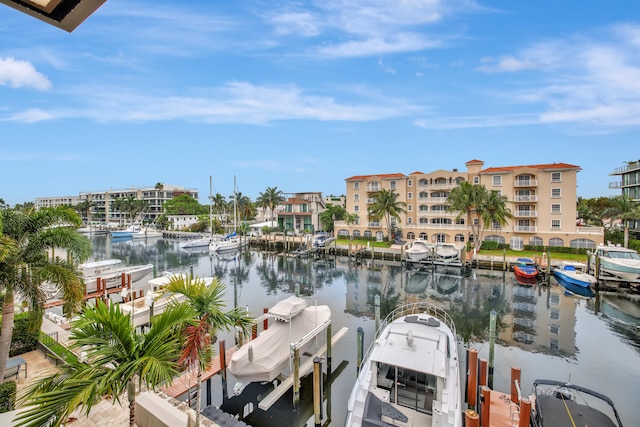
[7,396]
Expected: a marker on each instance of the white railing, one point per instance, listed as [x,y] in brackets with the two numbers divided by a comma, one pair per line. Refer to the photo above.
[590,229]
[525,183]
[525,229]
[374,188]
[525,214]
[528,198]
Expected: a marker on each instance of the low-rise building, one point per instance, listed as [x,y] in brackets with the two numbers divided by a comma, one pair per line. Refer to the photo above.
[542,199]
[629,184]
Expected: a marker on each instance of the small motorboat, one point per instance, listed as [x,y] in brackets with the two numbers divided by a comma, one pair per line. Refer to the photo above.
[559,404]
[574,273]
[419,250]
[617,261]
[525,268]
[301,251]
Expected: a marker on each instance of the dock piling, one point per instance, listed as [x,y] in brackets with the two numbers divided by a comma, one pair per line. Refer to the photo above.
[317,391]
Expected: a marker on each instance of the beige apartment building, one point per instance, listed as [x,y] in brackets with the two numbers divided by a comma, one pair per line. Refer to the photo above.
[542,199]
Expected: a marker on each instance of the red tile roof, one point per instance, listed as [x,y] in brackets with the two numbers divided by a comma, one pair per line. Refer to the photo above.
[379,175]
[474,161]
[541,166]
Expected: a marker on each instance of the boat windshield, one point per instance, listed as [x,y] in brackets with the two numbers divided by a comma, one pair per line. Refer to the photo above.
[409,388]
[624,255]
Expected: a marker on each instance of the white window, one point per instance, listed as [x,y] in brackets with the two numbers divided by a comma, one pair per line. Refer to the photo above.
[555,208]
[555,192]
[409,208]
[409,195]
[555,224]
[410,183]
[356,185]
[556,176]
[409,220]
[356,208]
[497,180]
[476,180]
[356,197]
[392,185]
[393,221]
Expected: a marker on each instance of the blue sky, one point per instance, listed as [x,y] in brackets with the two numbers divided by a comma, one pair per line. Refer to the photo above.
[304,94]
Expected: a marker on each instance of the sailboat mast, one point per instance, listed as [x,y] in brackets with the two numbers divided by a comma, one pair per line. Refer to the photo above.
[235,205]
[210,207]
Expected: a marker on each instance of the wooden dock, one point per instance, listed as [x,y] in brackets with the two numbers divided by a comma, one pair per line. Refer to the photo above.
[503,412]
[187,381]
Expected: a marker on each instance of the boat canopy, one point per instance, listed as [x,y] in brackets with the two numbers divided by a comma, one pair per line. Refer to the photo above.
[287,309]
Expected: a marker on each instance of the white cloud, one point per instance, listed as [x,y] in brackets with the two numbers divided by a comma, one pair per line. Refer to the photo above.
[302,23]
[16,73]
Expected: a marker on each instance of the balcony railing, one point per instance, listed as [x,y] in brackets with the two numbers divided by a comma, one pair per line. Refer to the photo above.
[525,214]
[440,186]
[525,229]
[525,183]
[627,168]
[374,188]
[526,199]
[616,184]
[374,224]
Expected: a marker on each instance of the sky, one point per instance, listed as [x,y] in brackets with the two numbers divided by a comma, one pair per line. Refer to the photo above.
[301,95]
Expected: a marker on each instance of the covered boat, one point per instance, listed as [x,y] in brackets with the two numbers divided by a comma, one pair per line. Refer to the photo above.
[525,267]
[618,261]
[559,404]
[419,250]
[574,273]
[411,373]
[267,356]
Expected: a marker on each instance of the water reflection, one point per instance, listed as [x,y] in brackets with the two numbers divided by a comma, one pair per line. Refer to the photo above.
[540,328]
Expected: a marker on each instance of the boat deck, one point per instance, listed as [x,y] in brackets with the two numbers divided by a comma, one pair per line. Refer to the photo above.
[502,411]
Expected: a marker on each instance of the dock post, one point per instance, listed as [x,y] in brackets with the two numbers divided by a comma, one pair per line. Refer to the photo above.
[485,406]
[471,418]
[376,300]
[329,351]
[482,378]
[317,391]
[525,412]
[208,392]
[296,379]
[254,331]
[504,259]
[223,370]
[360,344]
[297,289]
[492,344]
[265,322]
[515,377]
[191,272]
[472,379]
[123,279]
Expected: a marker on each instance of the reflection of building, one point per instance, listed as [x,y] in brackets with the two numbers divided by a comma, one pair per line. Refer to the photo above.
[541,320]
[630,185]
[541,197]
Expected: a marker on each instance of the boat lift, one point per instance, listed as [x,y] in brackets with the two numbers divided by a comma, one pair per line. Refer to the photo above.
[301,370]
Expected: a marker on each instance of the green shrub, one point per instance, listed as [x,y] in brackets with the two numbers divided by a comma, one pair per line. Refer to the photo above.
[7,396]
[25,335]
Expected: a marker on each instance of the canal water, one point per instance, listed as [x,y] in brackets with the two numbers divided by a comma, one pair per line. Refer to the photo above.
[546,331]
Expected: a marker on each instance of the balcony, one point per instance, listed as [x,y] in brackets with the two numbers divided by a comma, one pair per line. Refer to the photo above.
[525,199]
[628,168]
[375,224]
[372,188]
[525,229]
[525,183]
[525,214]
[616,184]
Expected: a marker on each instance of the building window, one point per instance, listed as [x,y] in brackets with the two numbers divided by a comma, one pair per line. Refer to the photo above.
[356,208]
[409,220]
[476,180]
[410,183]
[356,197]
[555,192]
[409,208]
[556,177]
[496,180]
[556,242]
[423,236]
[409,195]
[392,185]
[356,185]
[555,208]
[555,224]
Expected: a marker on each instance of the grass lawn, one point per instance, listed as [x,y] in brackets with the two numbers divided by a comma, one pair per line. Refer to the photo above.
[532,254]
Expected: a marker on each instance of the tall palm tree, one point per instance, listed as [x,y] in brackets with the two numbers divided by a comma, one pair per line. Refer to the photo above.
[25,239]
[351,219]
[386,205]
[271,198]
[219,203]
[118,361]
[85,206]
[208,302]
[494,210]
[624,209]
[467,199]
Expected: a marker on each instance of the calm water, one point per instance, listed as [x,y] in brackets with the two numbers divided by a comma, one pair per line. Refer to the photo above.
[546,331]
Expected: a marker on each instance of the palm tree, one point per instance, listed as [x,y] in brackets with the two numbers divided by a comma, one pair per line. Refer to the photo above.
[331,214]
[118,361]
[207,301]
[3,204]
[467,199]
[271,198]
[350,219]
[624,209]
[85,207]
[386,205]
[494,210]
[25,239]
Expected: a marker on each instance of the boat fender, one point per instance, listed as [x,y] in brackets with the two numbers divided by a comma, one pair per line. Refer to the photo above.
[410,337]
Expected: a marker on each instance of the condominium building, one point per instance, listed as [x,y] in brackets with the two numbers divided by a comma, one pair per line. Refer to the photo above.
[300,211]
[52,202]
[630,185]
[542,199]
[105,208]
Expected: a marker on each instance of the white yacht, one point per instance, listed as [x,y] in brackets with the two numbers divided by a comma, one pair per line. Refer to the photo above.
[419,250]
[618,261]
[411,373]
